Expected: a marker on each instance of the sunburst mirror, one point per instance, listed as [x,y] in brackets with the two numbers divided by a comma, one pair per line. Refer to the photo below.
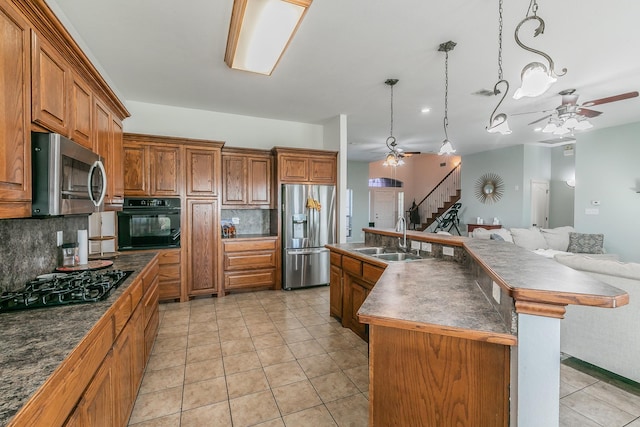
[489,188]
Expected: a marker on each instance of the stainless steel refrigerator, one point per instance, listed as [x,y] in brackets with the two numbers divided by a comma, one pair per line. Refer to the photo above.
[308,223]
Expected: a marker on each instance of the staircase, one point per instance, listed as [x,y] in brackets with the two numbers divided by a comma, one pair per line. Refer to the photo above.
[440,199]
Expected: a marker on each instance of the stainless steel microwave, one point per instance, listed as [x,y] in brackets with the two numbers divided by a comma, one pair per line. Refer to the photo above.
[67,178]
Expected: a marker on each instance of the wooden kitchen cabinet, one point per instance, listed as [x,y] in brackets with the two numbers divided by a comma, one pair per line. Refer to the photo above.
[50,85]
[202,171]
[125,384]
[246,179]
[15,97]
[202,248]
[306,166]
[151,168]
[108,144]
[249,263]
[335,290]
[81,129]
[169,274]
[166,175]
[136,170]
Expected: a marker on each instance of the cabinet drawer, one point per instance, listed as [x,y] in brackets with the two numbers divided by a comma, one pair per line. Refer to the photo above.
[371,273]
[171,256]
[151,303]
[150,332]
[336,259]
[249,260]
[122,312]
[169,291]
[352,265]
[169,273]
[248,245]
[249,279]
[150,276]
[136,290]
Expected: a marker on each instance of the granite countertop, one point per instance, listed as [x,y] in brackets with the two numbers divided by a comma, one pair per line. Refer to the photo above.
[431,294]
[250,236]
[35,342]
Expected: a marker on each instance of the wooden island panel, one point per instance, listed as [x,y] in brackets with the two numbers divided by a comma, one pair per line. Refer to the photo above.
[425,379]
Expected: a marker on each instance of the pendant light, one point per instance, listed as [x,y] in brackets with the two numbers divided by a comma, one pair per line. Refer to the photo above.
[536,77]
[498,123]
[446,147]
[394,156]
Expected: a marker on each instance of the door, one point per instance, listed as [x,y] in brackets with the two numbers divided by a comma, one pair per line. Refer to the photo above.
[540,204]
[384,208]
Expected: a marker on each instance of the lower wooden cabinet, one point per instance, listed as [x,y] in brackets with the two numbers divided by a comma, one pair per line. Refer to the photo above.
[170,274]
[335,286]
[355,292]
[249,263]
[202,236]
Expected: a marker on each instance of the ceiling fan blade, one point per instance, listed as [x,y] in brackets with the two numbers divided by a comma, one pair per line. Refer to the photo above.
[588,113]
[610,99]
[543,118]
[410,153]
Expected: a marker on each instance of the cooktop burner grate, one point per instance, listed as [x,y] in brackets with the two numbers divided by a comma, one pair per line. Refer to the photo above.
[57,289]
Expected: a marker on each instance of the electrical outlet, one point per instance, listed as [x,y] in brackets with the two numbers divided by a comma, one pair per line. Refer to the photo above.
[415,245]
[426,246]
[447,250]
[495,292]
[235,220]
[592,211]
[59,238]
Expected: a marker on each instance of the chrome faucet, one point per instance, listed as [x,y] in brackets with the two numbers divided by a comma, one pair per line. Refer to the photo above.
[401,226]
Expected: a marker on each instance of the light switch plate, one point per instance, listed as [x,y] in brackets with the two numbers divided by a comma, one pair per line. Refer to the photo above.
[447,250]
[495,292]
[235,220]
[426,246]
[592,211]
[415,245]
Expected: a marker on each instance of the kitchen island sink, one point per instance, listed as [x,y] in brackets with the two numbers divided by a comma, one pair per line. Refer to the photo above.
[397,256]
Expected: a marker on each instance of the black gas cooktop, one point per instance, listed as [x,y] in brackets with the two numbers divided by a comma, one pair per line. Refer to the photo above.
[55,289]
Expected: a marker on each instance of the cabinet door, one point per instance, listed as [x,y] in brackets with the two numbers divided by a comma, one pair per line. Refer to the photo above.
[259,180]
[117,170]
[98,407]
[51,80]
[102,142]
[323,170]
[124,375]
[357,292]
[136,170]
[81,107]
[234,180]
[335,292]
[294,168]
[202,170]
[202,229]
[165,171]
[15,98]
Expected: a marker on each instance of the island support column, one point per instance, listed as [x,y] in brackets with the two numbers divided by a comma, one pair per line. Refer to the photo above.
[538,364]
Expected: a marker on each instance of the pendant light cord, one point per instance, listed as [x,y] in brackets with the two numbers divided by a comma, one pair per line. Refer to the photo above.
[446,94]
[500,40]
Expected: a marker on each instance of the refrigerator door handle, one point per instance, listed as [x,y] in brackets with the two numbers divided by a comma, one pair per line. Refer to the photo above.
[307,251]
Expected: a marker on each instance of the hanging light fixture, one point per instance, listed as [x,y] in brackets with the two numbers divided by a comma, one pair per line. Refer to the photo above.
[394,156]
[498,123]
[446,147]
[536,77]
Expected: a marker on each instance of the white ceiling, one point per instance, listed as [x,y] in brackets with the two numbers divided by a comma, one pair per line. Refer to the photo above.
[172,52]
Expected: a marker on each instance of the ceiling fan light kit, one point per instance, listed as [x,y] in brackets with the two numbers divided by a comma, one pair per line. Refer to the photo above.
[537,78]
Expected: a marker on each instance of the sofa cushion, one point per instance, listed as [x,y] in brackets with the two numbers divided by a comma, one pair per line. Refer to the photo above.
[484,234]
[529,238]
[557,238]
[601,264]
[581,243]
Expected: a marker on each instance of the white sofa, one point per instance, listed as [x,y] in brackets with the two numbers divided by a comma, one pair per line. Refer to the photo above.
[605,337]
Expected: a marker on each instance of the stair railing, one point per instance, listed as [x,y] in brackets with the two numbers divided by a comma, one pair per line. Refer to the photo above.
[440,195]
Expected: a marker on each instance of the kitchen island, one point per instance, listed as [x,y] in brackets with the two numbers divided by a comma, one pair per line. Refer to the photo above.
[470,333]
[49,355]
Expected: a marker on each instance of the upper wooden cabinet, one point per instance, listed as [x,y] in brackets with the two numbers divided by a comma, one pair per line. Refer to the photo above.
[51,83]
[306,166]
[202,171]
[15,98]
[151,169]
[108,144]
[81,117]
[246,178]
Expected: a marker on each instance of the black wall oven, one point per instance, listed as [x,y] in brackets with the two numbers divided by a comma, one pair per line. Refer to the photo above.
[149,223]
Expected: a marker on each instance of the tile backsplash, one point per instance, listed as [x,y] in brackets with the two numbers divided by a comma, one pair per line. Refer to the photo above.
[29,248]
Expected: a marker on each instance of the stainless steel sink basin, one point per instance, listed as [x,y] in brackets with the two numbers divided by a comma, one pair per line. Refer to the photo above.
[397,256]
[373,250]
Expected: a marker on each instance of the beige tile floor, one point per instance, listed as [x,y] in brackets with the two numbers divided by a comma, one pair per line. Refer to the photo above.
[276,358]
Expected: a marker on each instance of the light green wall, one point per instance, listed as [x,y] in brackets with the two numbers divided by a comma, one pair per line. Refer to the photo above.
[358,181]
[608,171]
[508,163]
[536,166]
[561,198]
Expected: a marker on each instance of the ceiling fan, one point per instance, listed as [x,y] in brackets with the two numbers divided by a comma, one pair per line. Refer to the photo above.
[570,115]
